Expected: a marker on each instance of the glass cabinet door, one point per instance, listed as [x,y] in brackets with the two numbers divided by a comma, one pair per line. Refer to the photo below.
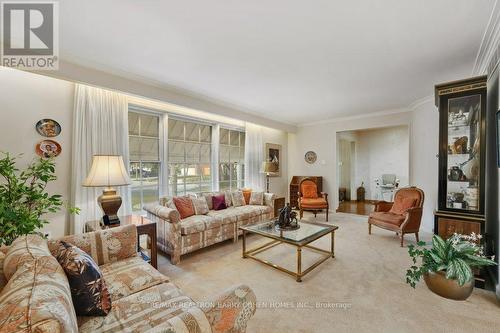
[463,153]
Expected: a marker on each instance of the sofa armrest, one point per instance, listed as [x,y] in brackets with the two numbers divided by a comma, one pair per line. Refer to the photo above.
[165,213]
[383,206]
[269,200]
[231,311]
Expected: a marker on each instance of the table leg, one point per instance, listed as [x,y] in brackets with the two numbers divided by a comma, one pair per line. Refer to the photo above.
[299,264]
[244,248]
[333,244]
[154,254]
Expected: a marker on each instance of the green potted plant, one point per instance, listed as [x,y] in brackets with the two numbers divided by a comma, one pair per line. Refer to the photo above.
[446,266]
[23,198]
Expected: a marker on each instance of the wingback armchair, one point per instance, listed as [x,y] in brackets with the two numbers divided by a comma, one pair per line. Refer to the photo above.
[310,199]
[402,216]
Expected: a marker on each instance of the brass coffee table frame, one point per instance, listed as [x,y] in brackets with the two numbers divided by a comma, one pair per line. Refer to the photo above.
[298,244]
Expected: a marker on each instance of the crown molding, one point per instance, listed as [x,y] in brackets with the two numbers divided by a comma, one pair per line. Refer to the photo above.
[488,54]
[355,117]
[419,102]
[141,87]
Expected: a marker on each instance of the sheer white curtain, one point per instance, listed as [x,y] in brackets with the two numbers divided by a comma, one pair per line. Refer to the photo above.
[215,157]
[164,191]
[254,156]
[100,126]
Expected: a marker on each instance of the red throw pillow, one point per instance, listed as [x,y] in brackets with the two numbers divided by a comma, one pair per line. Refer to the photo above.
[219,202]
[309,191]
[185,206]
[401,206]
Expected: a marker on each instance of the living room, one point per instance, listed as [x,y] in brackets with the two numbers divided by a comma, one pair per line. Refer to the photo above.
[179,167]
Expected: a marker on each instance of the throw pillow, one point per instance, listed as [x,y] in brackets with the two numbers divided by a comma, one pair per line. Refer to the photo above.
[200,206]
[168,202]
[227,195]
[401,206]
[185,206]
[219,202]
[309,191]
[238,199]
[246,194]
[208,198]
[88,290]
[257,198]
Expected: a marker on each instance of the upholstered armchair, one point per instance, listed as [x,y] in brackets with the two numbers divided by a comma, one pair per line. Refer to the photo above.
[402,216]
[310,199]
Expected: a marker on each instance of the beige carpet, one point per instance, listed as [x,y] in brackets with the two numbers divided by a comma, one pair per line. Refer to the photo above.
[363,287]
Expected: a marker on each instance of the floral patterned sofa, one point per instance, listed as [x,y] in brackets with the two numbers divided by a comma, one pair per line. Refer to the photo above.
[178,236]
[35,295]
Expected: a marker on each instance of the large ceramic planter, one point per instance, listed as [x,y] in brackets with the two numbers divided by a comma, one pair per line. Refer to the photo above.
[439,284]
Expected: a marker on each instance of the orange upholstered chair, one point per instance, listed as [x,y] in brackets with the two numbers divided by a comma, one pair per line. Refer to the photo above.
[310,199]
[402,216]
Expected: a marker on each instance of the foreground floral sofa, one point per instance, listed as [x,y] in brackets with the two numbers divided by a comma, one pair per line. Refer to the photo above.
[178,236]
[35,295]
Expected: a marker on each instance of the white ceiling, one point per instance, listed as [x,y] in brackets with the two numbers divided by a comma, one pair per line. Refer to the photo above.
[289,60]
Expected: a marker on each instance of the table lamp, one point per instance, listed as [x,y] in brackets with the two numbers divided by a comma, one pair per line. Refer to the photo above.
[108,171]
[268,168]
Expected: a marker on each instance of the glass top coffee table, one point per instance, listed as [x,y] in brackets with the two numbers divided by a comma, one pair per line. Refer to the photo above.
[300,238]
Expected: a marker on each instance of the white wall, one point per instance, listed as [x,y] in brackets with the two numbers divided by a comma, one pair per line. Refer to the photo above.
[381,151]
[321,138]
[26,98]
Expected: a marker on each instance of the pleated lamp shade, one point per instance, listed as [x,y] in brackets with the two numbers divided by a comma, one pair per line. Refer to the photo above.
[107,171]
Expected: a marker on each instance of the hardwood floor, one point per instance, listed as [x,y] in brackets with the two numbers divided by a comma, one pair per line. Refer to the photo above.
[355,207]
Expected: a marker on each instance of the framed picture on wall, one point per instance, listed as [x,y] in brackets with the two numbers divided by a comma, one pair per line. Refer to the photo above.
[274,155]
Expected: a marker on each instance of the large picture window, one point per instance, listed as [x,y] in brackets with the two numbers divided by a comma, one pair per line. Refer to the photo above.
[231,159]
[145,164]
[189,154]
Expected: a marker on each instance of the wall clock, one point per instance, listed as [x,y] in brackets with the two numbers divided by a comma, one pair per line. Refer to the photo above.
[310,157]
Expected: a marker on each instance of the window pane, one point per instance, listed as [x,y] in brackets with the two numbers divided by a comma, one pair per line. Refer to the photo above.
[134,148]
[234,185]
[242,139]
[136,198]
[193,152]
[206,187]
[192,132]
[242,154]
[176,179]
[223,154]
[235,138]
[224,136]
[175,129]
[205,172]
[205,153]
[224,186]
[235,154]
[192,173]
[149,125]
[224,172]
[133,123]
[205,133]
[149,149]
[234,171]
[176,152]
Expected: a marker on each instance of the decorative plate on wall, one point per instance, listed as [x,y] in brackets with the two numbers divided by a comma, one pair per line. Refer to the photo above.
[310,157]
[48,127]
[48,148]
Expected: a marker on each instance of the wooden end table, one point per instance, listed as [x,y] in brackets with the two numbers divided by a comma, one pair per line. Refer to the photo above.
[144,227]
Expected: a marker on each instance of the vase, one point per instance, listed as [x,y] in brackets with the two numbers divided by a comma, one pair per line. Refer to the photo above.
[448,288]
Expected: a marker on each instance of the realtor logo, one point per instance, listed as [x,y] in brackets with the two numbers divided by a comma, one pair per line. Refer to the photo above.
[30,36]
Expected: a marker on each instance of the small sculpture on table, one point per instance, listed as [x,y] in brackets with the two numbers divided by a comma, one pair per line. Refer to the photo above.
[287,219]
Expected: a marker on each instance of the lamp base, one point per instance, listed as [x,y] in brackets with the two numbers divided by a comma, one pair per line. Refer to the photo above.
[110,202]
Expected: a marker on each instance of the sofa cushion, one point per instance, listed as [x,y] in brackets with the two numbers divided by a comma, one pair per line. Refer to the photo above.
[261,209]
[208,198]
[3,279]
[402,204]
[238,199]
[88,289]
[22,249]
[227,196]
[256,198]
[184,206]
[249,211]
[131,275]
[224,216]
[313,203]
[196,223]
[200,206]
[104,246]
[246,194]
[161,308]
[388,217]
[37,295]
[219,202]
